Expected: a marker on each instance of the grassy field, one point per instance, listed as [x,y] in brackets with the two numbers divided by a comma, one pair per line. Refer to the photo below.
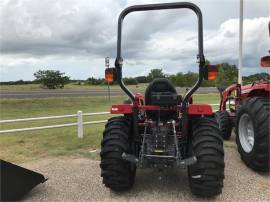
[71,86]
[27,146]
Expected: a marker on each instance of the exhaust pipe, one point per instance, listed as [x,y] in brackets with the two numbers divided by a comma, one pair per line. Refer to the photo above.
[16,181]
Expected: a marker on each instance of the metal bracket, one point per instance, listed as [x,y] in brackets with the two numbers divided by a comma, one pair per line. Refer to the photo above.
[176,143]
[188,161]
[130,158]
[142,148]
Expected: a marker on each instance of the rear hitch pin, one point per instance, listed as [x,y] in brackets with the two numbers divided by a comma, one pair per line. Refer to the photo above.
[175,142]
[142,149]
[129,157]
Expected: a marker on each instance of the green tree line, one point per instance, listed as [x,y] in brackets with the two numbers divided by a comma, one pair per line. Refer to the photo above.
[227,76]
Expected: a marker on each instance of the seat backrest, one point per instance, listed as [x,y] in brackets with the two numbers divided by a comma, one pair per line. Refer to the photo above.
[160,85]
[161,92]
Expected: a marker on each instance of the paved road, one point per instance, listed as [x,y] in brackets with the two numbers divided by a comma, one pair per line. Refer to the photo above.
[73,179]
[56,93]
[79,93]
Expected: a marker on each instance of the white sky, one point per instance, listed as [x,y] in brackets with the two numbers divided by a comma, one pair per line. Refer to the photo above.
[74,36]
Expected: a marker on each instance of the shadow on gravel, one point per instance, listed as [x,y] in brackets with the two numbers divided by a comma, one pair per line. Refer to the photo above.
[153,185]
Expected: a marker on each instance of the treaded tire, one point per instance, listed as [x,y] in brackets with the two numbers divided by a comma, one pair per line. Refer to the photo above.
[258,109]
[206,176]
[118,174]
[224,122]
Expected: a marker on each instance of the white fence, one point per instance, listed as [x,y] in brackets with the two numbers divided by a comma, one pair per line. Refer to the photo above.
[79,122]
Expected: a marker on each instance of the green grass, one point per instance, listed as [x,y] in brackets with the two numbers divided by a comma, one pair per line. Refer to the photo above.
[27,146]
[210,98]
[71,86]
[20,108]
[22,147]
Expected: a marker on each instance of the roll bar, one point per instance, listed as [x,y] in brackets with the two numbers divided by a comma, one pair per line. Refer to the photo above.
[163,6]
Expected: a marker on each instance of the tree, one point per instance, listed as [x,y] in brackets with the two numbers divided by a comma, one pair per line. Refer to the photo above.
[155,73]
[256,77]
[51,79]
[130,81]
[141,79]
[208,83]
[227,75]
[190,79]
[94,81]
[184,80]
[178,79]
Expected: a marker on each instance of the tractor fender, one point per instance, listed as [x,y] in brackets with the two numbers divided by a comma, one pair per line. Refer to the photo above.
[200,109]
[121,109]
[260,90]
[193,109]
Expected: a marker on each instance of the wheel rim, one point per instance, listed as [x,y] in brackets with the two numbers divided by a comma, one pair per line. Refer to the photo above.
[246,132]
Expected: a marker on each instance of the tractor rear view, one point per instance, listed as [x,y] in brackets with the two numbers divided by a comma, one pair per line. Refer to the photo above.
[162,129]
[247,108]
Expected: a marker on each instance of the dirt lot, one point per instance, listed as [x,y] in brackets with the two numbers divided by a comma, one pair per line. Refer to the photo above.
[73,179]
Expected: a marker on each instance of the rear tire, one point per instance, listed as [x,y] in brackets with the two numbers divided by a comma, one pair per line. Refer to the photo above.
[252,138]
[224,122]
[118,174]
[206,176]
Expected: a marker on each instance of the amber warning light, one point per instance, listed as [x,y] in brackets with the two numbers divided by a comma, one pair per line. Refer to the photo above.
[110,75]
[265,61]
[212,72]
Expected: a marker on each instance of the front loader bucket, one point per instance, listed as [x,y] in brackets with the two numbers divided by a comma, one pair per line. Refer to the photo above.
[16,181]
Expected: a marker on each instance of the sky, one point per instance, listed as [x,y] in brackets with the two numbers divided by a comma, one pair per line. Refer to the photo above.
[74,36]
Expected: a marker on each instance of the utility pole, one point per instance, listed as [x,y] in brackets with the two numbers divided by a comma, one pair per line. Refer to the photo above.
[107,65]
[240,62]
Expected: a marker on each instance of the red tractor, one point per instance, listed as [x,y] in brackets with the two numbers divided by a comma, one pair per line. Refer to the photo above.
[247,108]
[163,129]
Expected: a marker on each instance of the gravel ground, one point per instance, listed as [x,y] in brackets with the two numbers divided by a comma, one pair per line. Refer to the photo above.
[73,179]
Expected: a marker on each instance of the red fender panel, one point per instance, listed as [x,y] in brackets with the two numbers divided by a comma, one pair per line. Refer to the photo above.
[200,109]
[121,109]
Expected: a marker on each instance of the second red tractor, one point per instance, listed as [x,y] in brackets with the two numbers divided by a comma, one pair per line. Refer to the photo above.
[247,108]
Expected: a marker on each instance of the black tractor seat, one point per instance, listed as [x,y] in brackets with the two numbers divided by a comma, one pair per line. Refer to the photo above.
[162,92]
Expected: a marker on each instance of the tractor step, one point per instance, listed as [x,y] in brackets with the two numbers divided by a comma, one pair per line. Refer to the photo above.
[129,157]
[188,161]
